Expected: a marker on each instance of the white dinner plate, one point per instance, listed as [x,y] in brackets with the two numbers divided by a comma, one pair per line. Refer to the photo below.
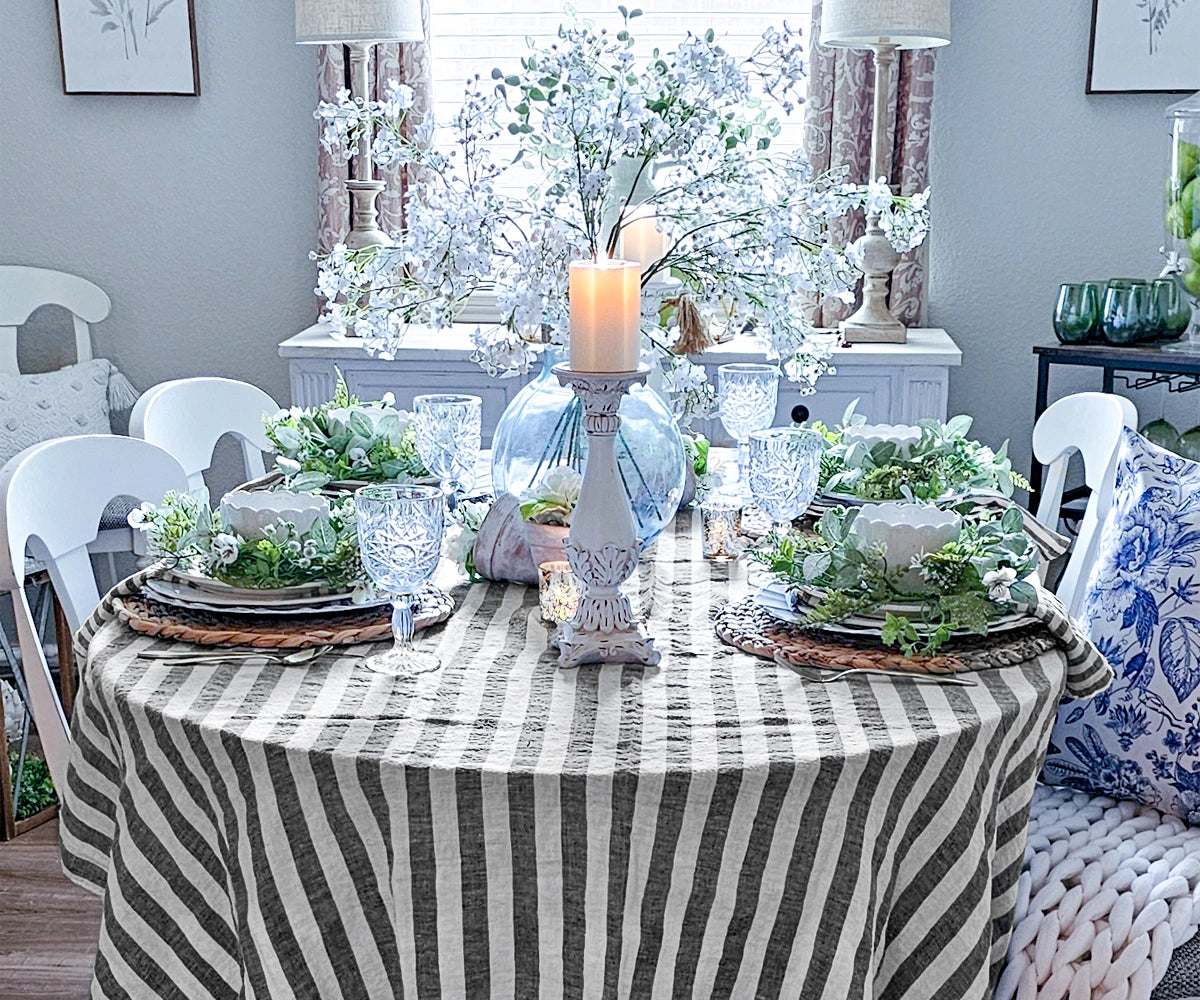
[324,608]
[212,590]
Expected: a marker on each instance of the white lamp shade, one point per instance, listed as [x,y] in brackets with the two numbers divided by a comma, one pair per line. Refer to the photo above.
[324,22]
[906,24]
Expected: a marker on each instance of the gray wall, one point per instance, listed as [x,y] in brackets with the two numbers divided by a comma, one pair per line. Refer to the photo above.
[1034,183]
[194,214]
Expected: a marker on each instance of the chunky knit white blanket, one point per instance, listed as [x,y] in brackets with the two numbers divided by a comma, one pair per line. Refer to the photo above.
[1110,889]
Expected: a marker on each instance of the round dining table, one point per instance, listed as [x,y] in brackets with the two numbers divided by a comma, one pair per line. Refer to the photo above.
[719,825]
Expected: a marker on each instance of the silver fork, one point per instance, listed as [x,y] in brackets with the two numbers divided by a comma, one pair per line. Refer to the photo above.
[948,679]
[187,656]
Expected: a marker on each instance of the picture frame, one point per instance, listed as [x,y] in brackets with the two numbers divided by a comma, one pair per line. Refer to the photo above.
[1144,47]
[128,47]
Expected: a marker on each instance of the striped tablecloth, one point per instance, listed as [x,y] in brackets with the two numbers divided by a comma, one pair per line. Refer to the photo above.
[716,827]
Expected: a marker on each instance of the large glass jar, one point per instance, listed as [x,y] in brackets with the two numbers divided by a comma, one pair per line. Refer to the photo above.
[543,427]
[1182,205]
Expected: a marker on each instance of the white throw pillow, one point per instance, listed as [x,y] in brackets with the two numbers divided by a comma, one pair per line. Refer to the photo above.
[72,400]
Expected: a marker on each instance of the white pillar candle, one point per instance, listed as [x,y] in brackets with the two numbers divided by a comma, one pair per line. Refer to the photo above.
[605,298]
[641,239]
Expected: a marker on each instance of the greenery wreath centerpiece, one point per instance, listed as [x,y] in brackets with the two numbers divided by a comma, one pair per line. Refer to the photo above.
[345,439]
[938,461]
[186,532]
[964,585]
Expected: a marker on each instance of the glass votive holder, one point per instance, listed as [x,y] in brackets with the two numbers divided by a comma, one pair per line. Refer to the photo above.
[558,591]
[721,520]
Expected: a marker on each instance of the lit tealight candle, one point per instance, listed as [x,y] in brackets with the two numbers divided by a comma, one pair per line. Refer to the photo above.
[605,315]
[558,591]
[641,239]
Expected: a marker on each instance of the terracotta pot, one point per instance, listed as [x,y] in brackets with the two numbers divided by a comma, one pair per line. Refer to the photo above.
[547,542]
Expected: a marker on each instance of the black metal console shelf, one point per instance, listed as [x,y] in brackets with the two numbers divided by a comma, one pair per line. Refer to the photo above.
[1136,367]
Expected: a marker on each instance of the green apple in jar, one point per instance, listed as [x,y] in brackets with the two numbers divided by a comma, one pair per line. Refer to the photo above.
[1186,159]
[1191,281]
[1183,217]
[1193,246]
[1176,221]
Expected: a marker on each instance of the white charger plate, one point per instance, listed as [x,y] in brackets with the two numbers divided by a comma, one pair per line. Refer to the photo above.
[265,603]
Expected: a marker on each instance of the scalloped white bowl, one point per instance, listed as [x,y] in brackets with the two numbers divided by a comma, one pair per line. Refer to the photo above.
[247,512]
[906,530]
[903,436]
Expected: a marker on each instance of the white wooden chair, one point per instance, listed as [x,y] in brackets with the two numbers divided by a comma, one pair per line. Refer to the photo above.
[189,416]
[51,496]
[24,290]
[1089,423]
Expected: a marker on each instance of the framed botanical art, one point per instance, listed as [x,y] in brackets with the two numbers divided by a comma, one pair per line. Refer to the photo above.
[1144,47]
[128,47]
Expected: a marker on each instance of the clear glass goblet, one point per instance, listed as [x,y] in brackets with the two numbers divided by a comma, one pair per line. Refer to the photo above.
[400,539]
[785,465]
[448,439]
[747,395]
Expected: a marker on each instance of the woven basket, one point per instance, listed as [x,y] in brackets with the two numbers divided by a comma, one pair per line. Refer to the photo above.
[750,628]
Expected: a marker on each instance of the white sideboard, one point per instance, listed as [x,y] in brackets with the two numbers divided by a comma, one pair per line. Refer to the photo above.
[895,383]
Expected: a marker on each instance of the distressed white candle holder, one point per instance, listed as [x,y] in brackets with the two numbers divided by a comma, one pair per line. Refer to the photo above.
[602,546]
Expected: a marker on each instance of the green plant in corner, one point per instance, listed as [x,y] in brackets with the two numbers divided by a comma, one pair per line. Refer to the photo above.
[37,790]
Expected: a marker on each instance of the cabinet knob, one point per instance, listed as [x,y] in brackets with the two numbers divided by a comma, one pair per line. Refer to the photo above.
[799,414]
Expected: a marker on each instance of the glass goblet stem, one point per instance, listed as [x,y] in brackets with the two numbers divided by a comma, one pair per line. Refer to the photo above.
[402,624]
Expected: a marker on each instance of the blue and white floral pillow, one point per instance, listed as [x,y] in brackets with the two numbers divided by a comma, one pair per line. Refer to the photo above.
[1140,739]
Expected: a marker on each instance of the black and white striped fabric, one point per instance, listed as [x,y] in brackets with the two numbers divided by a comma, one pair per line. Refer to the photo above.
[718,826]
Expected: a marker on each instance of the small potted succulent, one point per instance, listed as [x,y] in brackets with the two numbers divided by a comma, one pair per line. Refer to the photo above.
[546,508]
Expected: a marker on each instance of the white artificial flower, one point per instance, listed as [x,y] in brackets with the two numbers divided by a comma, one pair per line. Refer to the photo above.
[14,713]
[999,583]
[225,548]
[137,516]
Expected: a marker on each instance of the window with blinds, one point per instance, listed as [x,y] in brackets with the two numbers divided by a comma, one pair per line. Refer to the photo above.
[469,37]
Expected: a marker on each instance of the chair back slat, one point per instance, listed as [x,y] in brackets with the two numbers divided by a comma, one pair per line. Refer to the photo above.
[1088,423]
[187,417]
[24,290]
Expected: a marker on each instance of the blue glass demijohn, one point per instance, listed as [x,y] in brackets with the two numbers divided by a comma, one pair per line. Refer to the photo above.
[543,427]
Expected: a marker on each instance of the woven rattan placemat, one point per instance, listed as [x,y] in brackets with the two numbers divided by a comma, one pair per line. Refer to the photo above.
[750,628]
[209,628]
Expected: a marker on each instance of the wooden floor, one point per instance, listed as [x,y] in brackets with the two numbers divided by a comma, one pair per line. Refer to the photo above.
[48,925]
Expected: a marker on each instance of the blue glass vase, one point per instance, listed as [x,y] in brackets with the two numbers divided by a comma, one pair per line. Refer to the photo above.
[543,427]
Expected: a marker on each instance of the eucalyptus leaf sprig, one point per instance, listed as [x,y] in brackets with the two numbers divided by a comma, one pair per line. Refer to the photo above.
[970,581]
[345,438]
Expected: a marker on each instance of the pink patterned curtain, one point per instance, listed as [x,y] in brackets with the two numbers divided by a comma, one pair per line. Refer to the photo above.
[409,63]
[837,132]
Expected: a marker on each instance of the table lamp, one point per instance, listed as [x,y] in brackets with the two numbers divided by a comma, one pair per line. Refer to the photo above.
[360,24]
[883,26]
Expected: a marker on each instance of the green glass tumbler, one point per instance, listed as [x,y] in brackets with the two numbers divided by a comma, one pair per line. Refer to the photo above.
[1075,313]
[1172,308]
[1123,317]
[1096,289]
